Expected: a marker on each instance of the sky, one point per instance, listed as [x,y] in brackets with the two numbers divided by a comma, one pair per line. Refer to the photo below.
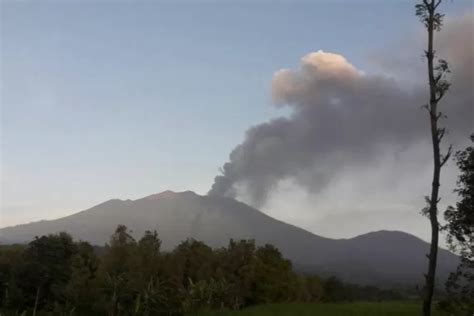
[123,99]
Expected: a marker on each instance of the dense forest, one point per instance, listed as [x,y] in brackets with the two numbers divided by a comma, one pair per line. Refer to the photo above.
[55,275]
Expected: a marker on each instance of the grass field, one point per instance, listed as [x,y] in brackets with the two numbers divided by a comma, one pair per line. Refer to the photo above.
[343,309]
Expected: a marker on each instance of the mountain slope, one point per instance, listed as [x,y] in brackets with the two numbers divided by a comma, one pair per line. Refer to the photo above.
[375,258]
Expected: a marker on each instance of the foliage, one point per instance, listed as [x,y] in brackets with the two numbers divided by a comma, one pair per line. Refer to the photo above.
[460,220]
[53,275]
[45,270]
[329,309]
[460,229]
[81,288]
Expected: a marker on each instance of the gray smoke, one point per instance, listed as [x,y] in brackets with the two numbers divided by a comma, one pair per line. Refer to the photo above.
[341,116]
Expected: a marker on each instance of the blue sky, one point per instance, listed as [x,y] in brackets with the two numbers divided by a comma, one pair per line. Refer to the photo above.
[107,99]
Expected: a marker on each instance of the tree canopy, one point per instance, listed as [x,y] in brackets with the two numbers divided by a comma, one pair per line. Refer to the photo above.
[54,275]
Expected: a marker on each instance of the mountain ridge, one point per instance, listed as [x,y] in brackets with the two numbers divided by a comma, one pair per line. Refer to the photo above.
[381,257]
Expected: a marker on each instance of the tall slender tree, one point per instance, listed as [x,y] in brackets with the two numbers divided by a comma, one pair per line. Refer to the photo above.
[438,68]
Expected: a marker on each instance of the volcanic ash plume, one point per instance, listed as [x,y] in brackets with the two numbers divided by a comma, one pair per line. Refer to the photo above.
[340,117]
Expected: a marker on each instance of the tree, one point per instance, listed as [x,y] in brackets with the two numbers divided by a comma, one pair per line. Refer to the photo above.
[82,287]
[118,252]
[239,267]
[55,276]
[274,277]
[46,271]
[438,86]
[460,220]
[11,264]
[334,290]
[310,288]
[116,272]
[193,262]
[460,229]
[148,260]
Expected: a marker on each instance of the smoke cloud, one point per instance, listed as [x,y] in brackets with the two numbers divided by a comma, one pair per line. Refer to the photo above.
[342,118]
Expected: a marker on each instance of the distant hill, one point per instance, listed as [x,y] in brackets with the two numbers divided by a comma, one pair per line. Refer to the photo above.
[380,258]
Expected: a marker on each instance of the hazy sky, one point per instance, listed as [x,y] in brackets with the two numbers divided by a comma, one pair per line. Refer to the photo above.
[108,99]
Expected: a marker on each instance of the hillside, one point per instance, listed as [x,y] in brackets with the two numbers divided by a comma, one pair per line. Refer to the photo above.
[383,257]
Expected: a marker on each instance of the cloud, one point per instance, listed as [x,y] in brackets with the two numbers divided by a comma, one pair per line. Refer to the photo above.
[343,120]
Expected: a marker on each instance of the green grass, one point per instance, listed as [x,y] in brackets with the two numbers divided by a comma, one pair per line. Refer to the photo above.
[343,309]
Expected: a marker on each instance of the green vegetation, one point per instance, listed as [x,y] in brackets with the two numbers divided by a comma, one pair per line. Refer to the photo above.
[460,229]
[54,275]
[340,309]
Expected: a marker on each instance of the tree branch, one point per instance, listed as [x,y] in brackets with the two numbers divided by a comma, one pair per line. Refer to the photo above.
[441,131]
[445,158]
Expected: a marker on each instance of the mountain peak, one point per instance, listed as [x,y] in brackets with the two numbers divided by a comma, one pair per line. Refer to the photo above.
[169,194]
[380,257]
[386,234]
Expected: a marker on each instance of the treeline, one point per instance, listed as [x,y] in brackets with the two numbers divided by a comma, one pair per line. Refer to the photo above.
[53,275]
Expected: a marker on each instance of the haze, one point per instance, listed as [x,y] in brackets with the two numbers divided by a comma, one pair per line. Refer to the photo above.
[106,100]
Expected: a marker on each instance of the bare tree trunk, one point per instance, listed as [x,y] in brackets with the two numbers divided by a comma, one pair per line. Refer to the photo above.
[437,86]
[433,207]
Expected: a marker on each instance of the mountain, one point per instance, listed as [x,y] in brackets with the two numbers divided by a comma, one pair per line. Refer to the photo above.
[380,258]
